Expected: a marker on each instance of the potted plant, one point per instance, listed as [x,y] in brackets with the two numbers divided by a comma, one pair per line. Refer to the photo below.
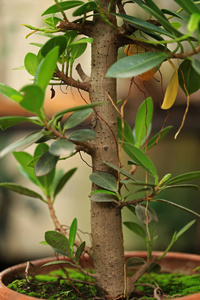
[146,45]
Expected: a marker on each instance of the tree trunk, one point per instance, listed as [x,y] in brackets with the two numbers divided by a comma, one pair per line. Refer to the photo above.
[106,223]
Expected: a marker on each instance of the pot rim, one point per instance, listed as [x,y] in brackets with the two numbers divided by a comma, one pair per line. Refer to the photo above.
[19,268]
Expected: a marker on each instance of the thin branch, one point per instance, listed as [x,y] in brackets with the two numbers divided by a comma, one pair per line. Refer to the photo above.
[82,74]
[72,82]
[86,28]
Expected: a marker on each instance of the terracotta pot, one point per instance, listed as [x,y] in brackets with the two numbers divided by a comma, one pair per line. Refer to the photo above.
[172,262]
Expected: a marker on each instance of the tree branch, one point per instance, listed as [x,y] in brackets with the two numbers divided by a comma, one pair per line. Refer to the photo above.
[72,82]
[86,28]
[82,74]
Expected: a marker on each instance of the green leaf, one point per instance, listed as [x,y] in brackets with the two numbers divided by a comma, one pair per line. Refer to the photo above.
[126,174]
[191,78]
[61,113]
[103,197]
[143,120]
[33,98]
[134,65]
[104,180]
[182,186]
[65,5]
[72,233]
[196,65]
[77,50]
[128,133]
[45,164]
[175,14]
[63,180]
[56,41]
[77,117]
[24,143]
[143,25]
[62,147]
[58,242]
[10,92]
[31,63]
[52,21]
[79,251]
[141,159]
[41,149]
[6,122]
[193,23]
[189,6]
[85,8]
[82,135]
[46,68]
[184,177]
[137,229]
[82,41]
[21,190]
[143,214]
[23,159]
[185,228]
[158,137]
[134,262]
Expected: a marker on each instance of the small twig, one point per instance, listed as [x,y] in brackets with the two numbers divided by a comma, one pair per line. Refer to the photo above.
[72,82]
[82,74]
[86,28]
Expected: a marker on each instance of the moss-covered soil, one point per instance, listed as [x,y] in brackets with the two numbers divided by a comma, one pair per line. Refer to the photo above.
[55,287]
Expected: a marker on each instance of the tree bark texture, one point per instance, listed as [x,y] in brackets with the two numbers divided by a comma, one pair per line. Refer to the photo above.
[106,223]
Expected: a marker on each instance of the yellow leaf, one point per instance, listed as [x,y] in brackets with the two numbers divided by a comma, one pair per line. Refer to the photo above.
[148,75]
[133,49]
[172,90]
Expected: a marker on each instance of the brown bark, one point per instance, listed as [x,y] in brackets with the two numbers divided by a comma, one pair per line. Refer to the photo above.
[106,225]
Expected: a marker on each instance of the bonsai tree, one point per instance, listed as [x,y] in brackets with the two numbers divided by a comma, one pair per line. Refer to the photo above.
[106,26]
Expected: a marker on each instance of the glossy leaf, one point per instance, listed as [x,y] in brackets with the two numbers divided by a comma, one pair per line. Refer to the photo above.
[135,65]
[102,197]
[143,25]
[46,68]
[65,5]
[10,92]
[22,143]
[21,190]
[191,78]
[82,135]
[63,180]
[58,242]
[141,159]
[128,133]
[6,122]
[184,177]
[143,120]
[33,98]
[79,251]
[77,50]
[45,164]
[171,91]
[56,41]
[62,147]
[77,117]
[196,65]
[137,229]
[72,233]
[31,63]
[23,159]
[85,8]
[104,180]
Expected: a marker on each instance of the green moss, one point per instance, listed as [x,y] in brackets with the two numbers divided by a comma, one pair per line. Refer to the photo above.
[60,289]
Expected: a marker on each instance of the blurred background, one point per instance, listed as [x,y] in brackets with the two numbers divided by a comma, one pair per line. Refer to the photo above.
[23,220]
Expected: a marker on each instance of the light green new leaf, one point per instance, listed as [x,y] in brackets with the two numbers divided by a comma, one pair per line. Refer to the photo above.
[6,122]
[137,229]
[77,117]
[134,65]
[65,5]
[185,228]
[143,120]
[104,180]
[58,242]
[33,98]
[62,147]
[45,164]
[63,180]
[141,159]
[22,143]
[31,63]
[193,23]
[72,233]
[46,68]
[79,251]
[10,92]
[82,135]
[21,190]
